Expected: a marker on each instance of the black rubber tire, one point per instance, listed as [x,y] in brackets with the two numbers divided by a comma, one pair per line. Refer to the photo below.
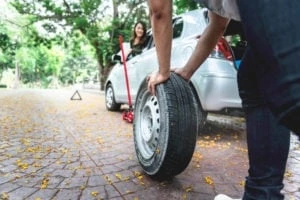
[201,114]
[110,101]
[165,128]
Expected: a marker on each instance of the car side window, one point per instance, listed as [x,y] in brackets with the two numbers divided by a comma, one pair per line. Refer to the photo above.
[177,31]
[177,27]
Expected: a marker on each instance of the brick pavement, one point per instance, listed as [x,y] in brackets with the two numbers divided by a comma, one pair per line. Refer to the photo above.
[54,148]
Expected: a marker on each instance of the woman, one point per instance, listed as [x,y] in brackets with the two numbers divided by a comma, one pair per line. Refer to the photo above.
[138,40]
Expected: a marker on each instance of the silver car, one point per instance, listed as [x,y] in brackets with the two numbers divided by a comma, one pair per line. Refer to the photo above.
[214,83]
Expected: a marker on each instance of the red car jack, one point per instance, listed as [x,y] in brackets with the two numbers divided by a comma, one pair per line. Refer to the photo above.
[128,114]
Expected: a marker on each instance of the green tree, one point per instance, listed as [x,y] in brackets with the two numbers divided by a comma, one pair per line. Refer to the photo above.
[79,62]
[182,6]
[100,21]
[7,50]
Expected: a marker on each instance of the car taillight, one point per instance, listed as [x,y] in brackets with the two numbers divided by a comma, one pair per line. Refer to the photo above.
[222,50]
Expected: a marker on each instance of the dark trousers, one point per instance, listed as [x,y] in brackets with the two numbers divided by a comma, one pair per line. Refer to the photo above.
[269,86]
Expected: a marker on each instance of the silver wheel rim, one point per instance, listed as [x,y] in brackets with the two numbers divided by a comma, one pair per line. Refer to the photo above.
[109,97]
[148,126]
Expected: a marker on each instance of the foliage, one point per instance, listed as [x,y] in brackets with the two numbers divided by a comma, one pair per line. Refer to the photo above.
[185,5]
[72,25]
[7,49]
[91,18]
[79,63]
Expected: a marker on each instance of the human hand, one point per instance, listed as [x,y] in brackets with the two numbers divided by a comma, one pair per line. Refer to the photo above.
[154,79]
[181,72]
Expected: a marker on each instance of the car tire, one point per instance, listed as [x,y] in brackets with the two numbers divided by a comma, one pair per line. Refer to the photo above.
[165,127]
[110,101]
[201,114]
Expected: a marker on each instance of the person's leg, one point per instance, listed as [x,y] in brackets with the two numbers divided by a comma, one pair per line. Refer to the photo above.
[268,141]
[273,32]
[268,147]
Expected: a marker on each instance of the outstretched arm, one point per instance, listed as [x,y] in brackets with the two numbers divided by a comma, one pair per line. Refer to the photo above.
[161,22]
[208,40]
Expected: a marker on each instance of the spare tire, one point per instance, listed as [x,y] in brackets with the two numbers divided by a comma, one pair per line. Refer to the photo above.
[165,127]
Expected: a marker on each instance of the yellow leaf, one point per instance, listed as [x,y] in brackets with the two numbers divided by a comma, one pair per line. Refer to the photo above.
[94,194]
[119,176]
[242,183]
[157,151]
[22,165]
[136,174]
[188,189]
[164,183]
[108,179]
[288,174]
[45,182]
[82,187]
[209,180]
[100,140]
[4,196]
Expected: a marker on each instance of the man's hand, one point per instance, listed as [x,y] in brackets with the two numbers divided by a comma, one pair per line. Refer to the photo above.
[154,79]
[182,72]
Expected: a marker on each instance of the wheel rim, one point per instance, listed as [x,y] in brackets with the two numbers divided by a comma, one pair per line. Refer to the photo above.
[109,97]
[148,126]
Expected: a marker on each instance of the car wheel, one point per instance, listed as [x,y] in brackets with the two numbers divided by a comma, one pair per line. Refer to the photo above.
[165,127]
[110,102]
[201,114]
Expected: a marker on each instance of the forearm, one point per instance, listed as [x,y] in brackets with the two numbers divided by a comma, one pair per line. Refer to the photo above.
[206,43]
[161,21]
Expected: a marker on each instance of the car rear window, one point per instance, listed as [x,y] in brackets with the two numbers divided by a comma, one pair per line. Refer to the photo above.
[177,27]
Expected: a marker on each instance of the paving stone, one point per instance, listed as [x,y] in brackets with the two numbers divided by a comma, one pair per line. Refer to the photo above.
[28,181]
[100,192]
[67,194]
[110,169]
[54,182]
[63,173]
[126,187]
[21,193]
[43,194]
[96,181]
[4,179]
[73,182]
[7,187]
[89,149]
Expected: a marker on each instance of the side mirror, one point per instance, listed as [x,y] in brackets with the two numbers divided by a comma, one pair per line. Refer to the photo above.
[116,58]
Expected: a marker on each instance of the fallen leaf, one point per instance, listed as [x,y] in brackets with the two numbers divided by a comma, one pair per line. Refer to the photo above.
[94,194]
[209,180]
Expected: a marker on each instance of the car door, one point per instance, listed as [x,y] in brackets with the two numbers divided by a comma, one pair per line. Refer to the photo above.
[119,79]
[142,65]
